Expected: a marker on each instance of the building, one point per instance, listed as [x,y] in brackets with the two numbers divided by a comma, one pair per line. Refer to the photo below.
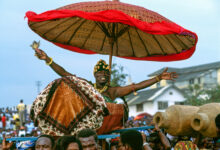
[206,75]
[166,92]
[153,100]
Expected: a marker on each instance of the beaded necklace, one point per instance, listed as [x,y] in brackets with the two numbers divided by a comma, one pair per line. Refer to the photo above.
[101,90]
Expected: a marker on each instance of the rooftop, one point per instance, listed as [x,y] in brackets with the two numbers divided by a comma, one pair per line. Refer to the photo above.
[194,70]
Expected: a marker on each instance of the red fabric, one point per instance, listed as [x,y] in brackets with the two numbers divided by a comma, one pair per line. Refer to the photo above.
[118,16]
[114,120]
[3,121]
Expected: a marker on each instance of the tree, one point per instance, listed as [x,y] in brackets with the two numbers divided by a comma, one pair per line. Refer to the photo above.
[117,75]
[199,96]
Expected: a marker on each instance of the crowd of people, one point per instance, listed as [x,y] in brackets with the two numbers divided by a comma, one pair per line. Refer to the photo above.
[87,139]
[15,122]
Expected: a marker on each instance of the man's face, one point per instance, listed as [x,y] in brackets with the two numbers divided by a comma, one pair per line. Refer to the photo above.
[88,143]
[102,77]
[43,143]
[73,146]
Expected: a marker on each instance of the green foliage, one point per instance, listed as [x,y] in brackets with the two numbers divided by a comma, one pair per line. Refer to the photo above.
[199,96]
[117,75]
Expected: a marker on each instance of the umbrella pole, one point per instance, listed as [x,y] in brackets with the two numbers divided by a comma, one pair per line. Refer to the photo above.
[110,57]
[111,42]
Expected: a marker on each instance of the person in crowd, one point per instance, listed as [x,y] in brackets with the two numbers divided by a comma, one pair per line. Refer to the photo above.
[180,145]
[217,139]
[4,121]
[68,143]
[0,121]
[132,140]
[88,139]
[114,143]
[7,145]
[21,112]
[146,145]
[17,124]
[158,140]
[22,132]
[45,142]
[30,127]
[206,143]
[217,123]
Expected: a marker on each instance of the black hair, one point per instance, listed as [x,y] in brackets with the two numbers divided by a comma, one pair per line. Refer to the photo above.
[64,141]
[217,121]
[87,133]
[133,139]
[153,137]
[48,136]
[21,101]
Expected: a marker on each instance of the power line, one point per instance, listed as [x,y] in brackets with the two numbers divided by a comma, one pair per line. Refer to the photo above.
[38,84]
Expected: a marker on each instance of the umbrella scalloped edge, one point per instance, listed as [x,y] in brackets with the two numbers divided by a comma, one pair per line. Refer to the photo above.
[162,28]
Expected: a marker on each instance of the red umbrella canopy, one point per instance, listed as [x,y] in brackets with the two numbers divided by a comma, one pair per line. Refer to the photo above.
[114,28]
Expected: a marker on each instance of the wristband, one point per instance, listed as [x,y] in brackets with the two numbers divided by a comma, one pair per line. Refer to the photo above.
[51,60]
[157,78]
[145,144]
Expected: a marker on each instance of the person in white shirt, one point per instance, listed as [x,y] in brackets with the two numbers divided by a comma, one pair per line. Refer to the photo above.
[22,132]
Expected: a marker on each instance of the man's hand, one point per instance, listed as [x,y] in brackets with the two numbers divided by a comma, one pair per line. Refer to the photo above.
[6,145]
[144,137]
[156,128]
[41,54]
[168,75]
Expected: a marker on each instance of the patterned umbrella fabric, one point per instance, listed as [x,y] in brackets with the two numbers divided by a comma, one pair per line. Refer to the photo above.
[114,28]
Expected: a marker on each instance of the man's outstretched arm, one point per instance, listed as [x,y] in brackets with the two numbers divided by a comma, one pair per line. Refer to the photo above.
[57,68]
[123,91]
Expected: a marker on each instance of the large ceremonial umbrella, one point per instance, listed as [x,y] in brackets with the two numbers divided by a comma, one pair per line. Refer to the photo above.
[114,28]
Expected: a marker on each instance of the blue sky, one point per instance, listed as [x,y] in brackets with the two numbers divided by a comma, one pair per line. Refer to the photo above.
[20,69]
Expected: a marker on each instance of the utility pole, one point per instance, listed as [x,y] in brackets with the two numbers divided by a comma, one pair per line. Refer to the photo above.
[38,84]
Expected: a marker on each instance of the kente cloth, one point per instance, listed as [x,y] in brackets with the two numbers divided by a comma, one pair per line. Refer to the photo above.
[185,145]
[68,105]
[114,120]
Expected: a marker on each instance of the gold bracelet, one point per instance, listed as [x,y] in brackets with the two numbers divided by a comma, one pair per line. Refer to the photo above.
[157,79]
[51,60]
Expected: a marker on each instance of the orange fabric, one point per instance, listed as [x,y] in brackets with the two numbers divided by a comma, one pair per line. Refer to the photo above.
[64,105]
[114,120]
